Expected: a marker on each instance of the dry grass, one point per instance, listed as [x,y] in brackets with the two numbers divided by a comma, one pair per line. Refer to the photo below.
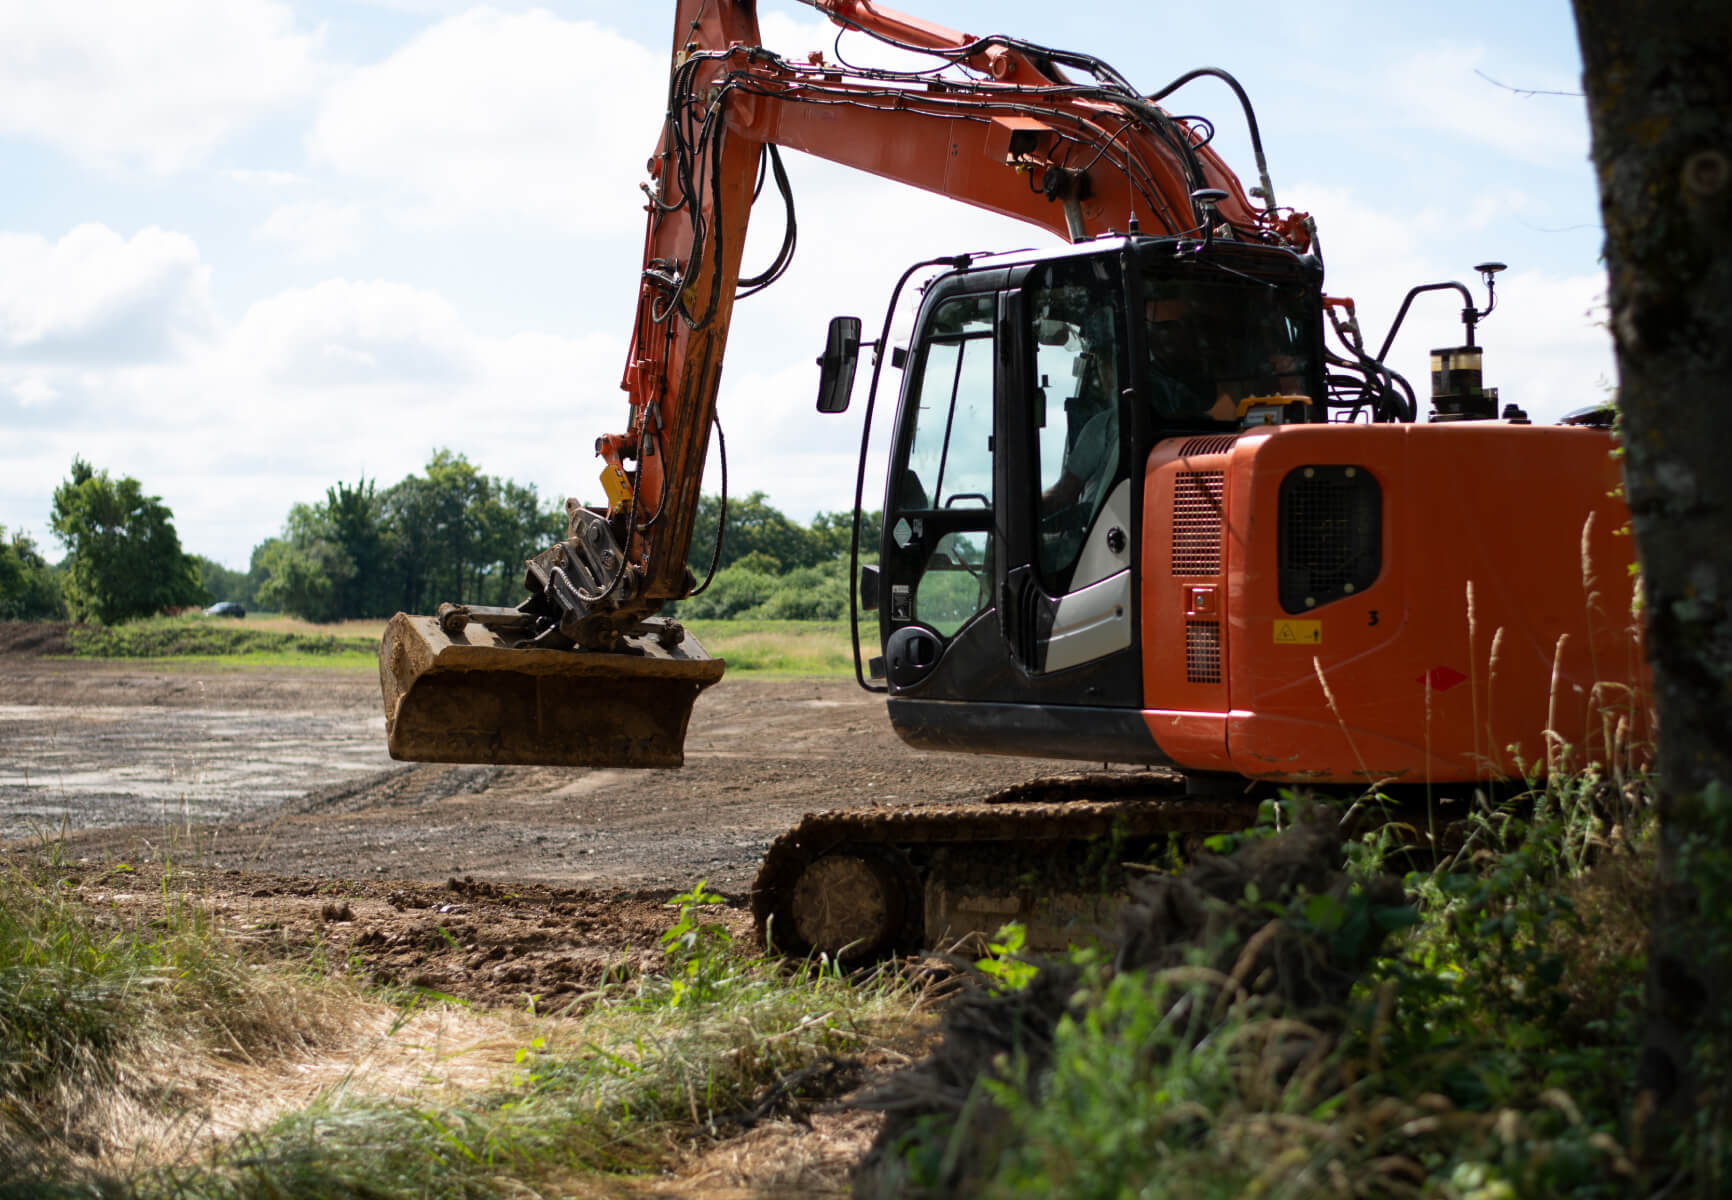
[779,648]
[783,1158]
[216,1076]
[1614,898]
[181,1099]
[278,623]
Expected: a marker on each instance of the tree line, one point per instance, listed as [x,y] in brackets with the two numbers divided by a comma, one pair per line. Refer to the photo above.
[451,532]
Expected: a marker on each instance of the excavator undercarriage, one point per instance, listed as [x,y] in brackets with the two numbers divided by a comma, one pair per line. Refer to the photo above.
[1052,855]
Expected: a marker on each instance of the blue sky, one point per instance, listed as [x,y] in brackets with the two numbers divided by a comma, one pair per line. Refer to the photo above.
[250,248]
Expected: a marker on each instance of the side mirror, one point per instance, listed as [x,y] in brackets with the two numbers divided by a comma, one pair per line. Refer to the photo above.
[869,586]
[836,367]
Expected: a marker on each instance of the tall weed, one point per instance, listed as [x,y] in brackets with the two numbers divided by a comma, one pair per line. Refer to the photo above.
[1486,1052]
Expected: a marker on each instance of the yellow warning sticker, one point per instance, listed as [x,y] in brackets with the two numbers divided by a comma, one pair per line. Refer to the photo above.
[1298,633]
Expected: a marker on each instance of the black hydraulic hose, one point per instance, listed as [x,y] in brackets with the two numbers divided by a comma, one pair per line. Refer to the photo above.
[721,514]
[1250,122]
[758,183]
[702,255]
[1101,70]
[1391,400]
[940,107]
[790,232]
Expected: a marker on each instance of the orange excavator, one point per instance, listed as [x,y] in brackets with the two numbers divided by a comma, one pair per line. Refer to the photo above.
[1140,509]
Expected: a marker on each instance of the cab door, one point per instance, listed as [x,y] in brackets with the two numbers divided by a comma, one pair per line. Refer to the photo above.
[1068,594]
[1008,536]
[938,518]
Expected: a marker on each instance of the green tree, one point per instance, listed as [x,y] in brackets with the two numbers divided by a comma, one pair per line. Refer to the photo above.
[225,584]
[453,533]
[458,534]
[350,526]
[755,526]
[123,557]
[297,579]
[29,585]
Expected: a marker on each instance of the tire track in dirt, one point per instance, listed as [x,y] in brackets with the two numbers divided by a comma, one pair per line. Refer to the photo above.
[284,771]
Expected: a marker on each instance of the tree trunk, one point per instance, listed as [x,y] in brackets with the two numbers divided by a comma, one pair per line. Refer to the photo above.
[1658,78]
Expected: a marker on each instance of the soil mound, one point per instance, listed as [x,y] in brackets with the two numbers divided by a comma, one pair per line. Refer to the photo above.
[33,638]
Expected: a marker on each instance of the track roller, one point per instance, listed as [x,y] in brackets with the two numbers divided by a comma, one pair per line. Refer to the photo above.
[855,902]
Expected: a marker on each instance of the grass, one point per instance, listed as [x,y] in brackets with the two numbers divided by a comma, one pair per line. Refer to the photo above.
[761,648]
[617,1095]
[1485,1057]
[90,997]
[105,1021]
[1488,1054]
[370,630]
[219,640]
[779,649]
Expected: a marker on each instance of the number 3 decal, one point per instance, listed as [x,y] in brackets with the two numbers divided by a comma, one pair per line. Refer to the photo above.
[1373,620]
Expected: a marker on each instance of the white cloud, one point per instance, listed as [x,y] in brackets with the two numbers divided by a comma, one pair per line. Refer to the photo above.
[340,332]
[314,230]
[1545,349]
[161,84]
[1438,89]
[255,177]
[313,385]
[422,7]
[94,297]
[34,391]
[495,117]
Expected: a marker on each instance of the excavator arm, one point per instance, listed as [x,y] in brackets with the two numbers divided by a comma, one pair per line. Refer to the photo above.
[1016,137]
[582,671]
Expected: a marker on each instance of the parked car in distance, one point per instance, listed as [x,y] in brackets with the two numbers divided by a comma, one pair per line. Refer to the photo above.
[226,608]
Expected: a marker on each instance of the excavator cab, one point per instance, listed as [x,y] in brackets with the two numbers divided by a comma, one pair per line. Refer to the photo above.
[1010,577]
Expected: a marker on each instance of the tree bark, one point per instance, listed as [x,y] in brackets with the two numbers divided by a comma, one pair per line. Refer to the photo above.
[1658,78]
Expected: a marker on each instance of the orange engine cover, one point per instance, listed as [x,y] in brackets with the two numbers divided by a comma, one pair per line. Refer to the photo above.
[1400,603]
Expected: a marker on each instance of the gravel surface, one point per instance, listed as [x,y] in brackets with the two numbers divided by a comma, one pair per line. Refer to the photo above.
[284,771]
[266,796]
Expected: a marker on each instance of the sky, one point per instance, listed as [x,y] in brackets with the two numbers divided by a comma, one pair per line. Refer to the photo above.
[252,248]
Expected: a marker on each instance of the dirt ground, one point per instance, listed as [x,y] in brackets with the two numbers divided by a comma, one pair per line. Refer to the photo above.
[269,791]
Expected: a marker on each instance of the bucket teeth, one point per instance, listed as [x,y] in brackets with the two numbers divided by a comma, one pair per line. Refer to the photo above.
[471,696]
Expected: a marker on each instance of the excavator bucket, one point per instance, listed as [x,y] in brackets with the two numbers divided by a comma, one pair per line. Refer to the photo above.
[458,692]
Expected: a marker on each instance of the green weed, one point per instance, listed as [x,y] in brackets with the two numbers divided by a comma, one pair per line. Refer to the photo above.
[696,949]
[1004,963]
[1487,1052]
[212,638]
[779,649]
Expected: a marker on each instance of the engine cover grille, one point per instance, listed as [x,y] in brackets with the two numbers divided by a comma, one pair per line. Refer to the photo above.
[1202,652]
[1197,497]
[1331,540]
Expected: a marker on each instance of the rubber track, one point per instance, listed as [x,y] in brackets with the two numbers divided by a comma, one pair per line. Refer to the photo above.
[1014,817]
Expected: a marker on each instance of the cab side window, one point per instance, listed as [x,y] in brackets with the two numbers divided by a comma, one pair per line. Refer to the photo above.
[948,474]
[950,462]
[1074,407]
